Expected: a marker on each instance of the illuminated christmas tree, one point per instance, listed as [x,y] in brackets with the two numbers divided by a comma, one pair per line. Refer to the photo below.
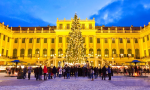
[75,51]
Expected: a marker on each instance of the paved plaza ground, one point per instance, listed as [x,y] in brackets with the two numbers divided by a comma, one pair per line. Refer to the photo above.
[118,82]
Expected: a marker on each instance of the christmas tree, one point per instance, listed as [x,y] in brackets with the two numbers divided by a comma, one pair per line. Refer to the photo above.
[75,51]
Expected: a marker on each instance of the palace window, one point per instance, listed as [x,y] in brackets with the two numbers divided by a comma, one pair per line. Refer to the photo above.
[114,51]
[38,40]
[29,52]
[106,53]
[8,39]
[98,40]
[4,37]
[91,40]
[14,53]
[120,40]
[137,54]
[30,40]
[90,26]
[99,52]
[136,40]
[91,53]
[106,40]
[16,40]
[128,40]
[45,40]
[60,26]
[83,26]
[45,53]
[121,52]
[60,39]
[60,53]
[143,39]
[22,53]
[129,53]
[147,37]
[37,53]
[113,40]
[52,41]
[23,40]
[2,52]
[68,26]
[52,52]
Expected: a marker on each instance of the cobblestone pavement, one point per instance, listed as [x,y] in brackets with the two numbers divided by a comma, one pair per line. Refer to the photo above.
[81,83]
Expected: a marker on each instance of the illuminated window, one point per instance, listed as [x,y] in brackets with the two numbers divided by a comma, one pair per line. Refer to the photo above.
[114,51]
[113,40]
[136,40]
[60,39]
[83,26]
[23,40]
[60,53]
[37,53]
[106,40]
[60,26]
[121,52]
[52,41]
[90,26]
[38,40]
[45,53]
[91,53]
[68,26]
[45,40]
[22,53]
[98,40]
[30,40]
[128,40]
[106,53]
[14,53]
[99,52]
[137,54]
[120,39]
[29,52]
[52,52]
[16,40]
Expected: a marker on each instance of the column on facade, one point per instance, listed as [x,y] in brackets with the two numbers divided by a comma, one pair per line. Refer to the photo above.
[49,47]
[141,47]
[125,45]
[26,47]
[6,42]
[11,43]
[95,51]
[64,45]
[146,47]
[87,45]
[1,41]
[18,50]
[41,47]
[102,47]
[117,46]
[56,49]
[132,45]
[34,44]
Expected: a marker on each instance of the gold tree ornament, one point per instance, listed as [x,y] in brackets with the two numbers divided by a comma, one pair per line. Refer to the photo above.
[75,50]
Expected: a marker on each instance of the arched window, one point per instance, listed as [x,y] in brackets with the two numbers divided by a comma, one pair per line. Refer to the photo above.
[14,53]
[44,52]
[113,51]
[137,54]
[29,52]
[52,52]
[129,51]
[121,51]
[106,53]
[22,53]
[91,52]
[99,52]
[60,52]
[37,53]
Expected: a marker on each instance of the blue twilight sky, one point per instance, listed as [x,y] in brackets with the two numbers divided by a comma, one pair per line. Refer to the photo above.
[45,12]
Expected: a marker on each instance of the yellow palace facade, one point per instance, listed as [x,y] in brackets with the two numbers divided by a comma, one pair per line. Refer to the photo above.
[47,45]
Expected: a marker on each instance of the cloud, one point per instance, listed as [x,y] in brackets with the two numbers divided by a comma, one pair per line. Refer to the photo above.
[124,13]
[24,20]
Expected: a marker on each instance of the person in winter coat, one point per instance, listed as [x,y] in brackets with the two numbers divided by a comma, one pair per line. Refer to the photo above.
[45,71]
[64,72]
[54,71]
[29,72]
[76,71]
[109,73]
[49,72]
[100,71]
[24,72]
[92,73]
[40,73]
[104,72]
[37,73]
[60,72]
